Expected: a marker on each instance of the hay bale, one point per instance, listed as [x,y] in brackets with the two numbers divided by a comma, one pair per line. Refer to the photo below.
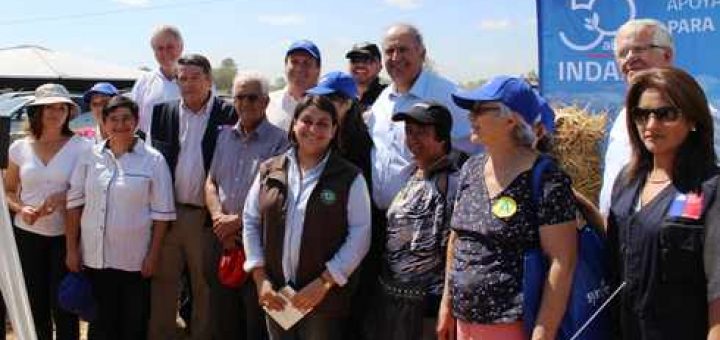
[577,140]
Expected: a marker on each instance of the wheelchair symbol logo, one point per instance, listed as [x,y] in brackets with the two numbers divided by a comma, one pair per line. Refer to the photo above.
[593,24]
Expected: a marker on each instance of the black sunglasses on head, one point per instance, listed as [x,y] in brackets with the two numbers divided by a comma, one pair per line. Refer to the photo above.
[664,114]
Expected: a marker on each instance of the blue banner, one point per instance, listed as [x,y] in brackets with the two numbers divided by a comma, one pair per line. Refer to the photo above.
[577,64]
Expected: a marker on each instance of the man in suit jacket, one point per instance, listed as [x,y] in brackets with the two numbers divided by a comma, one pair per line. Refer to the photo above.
[185,131]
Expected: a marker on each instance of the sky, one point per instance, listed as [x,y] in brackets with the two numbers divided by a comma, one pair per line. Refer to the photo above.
[466,40]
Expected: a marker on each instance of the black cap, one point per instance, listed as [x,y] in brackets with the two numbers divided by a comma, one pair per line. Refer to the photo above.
[366,49]
[427,112]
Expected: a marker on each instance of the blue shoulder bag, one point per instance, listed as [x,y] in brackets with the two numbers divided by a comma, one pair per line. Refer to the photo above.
[590,288]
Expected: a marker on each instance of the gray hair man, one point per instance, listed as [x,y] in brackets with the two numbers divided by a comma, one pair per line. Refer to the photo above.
[639,45]
[159,85]
[405,54]
[240,150]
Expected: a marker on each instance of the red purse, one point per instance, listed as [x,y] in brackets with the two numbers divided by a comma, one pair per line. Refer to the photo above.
[230,268]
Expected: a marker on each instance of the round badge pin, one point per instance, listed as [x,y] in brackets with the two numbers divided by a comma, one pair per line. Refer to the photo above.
[504,207]
[328,197]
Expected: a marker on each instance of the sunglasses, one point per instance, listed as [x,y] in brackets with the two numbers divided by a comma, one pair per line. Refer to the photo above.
[249,97]
[361,59]
[664,114]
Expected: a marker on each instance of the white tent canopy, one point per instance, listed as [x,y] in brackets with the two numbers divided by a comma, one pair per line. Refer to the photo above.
[28,61]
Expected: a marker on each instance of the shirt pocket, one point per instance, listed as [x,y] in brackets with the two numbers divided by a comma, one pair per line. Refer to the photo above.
[681,251]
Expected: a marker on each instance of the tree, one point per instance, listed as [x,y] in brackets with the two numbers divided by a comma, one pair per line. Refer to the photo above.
[224,75]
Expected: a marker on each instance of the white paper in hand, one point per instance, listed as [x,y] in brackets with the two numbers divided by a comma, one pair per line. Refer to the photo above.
[290,315]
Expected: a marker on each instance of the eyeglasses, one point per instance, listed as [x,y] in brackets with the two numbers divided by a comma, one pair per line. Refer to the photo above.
[665,114]
[637,49]
[249,97]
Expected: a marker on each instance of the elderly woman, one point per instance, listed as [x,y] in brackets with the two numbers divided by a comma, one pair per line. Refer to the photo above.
[119,204]
[496,219]
[412,279]
[307,226]
[36,182]
[664,215]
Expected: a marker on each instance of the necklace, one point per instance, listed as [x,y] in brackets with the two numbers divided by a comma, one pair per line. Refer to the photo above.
[658,181]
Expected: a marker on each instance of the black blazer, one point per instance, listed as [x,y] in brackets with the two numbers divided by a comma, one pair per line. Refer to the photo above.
[165,130]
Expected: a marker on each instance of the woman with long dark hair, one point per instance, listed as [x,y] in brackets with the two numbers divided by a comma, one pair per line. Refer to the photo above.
[664,215]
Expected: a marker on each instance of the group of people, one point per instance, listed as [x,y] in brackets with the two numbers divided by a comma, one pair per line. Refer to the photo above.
[397,211]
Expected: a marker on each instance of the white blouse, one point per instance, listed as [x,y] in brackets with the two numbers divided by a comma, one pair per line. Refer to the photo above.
[38,181]
[120,197]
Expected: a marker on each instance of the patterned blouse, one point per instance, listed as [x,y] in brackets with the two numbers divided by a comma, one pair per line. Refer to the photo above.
[492,235]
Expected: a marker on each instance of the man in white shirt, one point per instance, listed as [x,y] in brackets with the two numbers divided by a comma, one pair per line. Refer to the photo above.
[404,55]
[185,131]
[639,44]
[159,85]
[302,70]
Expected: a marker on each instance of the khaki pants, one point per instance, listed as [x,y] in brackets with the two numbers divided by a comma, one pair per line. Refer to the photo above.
[183,244]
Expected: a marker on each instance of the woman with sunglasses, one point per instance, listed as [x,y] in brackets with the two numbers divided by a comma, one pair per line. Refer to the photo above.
[664,216]
[307,226]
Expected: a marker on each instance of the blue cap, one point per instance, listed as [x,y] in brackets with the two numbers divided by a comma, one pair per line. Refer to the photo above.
[100,88]
[305,46]
[547,114]
[514,92]
[75,295]
[335,82]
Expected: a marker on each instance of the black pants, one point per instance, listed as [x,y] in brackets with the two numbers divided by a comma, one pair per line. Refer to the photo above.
[123,300]
[43,264]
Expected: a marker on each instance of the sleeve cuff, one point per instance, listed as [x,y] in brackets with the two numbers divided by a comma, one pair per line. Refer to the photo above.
[337,275]
[163,216]
[75,202]
[251,264]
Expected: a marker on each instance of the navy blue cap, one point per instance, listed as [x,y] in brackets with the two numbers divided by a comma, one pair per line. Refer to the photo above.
[75,295]
[514,92]
[335,82]
[305,46]
[428,112]
[100,88]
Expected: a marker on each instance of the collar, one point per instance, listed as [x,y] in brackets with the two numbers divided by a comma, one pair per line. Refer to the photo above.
[418,88]
[292,157]
[162,76]
[259,130]
[206,109]
[137,147]
[449,162]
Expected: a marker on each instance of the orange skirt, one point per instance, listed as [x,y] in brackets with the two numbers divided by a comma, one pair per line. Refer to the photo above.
[480,331]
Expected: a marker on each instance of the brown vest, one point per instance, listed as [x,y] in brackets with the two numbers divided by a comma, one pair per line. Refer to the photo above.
[324,229]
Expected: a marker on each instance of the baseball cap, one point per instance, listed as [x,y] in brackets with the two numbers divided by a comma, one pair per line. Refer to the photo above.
[335,82]
[75,295]
[514,92]
[51,94]
[100,88]
[547,114]
[305,46]
[366,49]
[427,112]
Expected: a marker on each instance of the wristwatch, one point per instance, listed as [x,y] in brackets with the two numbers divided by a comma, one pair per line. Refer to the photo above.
[326,282]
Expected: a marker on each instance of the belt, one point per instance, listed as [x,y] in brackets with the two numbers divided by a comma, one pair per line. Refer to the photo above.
[402,290]
[188,206]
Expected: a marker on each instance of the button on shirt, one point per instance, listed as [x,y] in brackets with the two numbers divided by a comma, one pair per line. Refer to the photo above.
[150,89]
[237,158]
[619,151]
[281,108]
[38,180]
[121,198]
[189,171]
[300,186]
[390,154]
